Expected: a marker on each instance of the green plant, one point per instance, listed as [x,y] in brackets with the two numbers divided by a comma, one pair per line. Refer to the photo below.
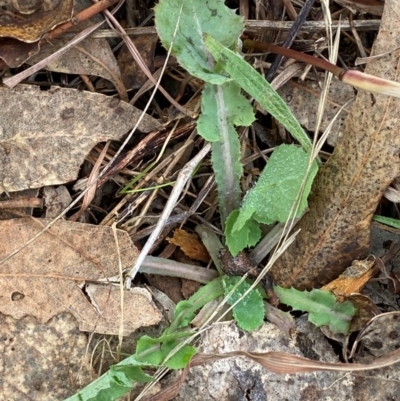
[205,41]
[171,349]
[395,223]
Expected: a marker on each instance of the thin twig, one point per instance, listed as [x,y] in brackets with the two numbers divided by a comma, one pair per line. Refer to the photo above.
[293,31]
[183,177]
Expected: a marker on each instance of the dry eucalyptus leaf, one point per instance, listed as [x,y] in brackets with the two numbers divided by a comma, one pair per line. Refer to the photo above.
[90,57]
[45,278]
[303,99]
[42,362]
[46,16]
[45,135]
[348,188]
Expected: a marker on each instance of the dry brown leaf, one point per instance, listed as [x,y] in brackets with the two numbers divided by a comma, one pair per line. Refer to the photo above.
[31,28]
[48,276]
[45,135]
[42,362]
[132,75]
[96,58]
[348,188]
[365,310]
[303,100]
[90,57]
[190,245]
[15,53]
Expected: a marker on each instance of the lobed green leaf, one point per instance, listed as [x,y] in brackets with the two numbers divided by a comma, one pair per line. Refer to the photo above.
[322,307]
[182,23]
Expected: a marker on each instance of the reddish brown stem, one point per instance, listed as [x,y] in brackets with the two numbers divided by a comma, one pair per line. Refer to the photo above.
[304,58]
[78,18]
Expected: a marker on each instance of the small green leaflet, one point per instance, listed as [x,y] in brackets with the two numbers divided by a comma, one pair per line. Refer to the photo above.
[249,312]
[256,86]
[195,18]
[248,235]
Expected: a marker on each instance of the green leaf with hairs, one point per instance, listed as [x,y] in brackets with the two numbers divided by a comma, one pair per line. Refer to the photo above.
[277,190]
[182,23]
[249,312]
[256,86]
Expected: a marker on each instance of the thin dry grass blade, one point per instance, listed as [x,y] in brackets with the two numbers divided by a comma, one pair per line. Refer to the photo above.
[277,362]
[94,175]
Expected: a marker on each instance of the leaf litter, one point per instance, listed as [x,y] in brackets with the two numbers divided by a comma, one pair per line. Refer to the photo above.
[65,259]
[36,153]
[31,282]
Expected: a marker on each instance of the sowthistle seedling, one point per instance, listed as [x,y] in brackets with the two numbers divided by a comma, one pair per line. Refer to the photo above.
[205,42]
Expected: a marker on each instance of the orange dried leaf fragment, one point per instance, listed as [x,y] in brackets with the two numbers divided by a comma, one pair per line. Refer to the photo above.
[190,245]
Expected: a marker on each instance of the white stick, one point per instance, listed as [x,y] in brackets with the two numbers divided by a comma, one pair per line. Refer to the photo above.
[183,177]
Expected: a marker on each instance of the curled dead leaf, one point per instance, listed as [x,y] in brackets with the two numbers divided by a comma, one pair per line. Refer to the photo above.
[40,21]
